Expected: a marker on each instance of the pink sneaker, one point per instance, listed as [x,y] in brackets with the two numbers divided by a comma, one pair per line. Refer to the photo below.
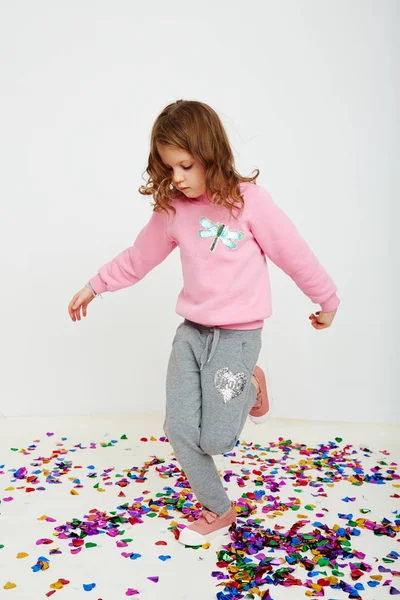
[207,526]
[261,410]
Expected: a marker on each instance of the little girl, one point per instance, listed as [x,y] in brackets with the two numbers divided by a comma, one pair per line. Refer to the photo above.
[213,382]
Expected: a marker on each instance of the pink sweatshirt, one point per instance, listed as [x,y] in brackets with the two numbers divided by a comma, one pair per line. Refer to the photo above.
[224,267]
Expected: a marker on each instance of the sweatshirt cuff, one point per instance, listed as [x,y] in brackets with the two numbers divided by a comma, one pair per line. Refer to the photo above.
[331,304]
[98,284]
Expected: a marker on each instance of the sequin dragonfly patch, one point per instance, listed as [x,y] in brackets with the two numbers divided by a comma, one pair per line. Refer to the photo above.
[219,231]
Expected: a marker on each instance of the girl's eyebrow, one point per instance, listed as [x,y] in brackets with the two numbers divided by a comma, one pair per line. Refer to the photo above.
[180,162]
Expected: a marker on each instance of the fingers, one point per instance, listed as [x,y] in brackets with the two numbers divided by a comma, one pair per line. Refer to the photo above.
[71,310]
[74,308]
[317,324]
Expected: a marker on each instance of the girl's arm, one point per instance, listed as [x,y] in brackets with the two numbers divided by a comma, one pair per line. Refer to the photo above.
[282,243]
[150,248]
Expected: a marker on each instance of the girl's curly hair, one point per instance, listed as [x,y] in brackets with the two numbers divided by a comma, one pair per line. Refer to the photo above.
[195,127]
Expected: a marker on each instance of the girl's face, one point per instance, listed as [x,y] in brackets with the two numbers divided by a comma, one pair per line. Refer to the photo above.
[187,172]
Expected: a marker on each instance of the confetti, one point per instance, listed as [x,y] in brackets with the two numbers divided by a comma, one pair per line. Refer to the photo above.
[317,548]
[88,587]
[9,585]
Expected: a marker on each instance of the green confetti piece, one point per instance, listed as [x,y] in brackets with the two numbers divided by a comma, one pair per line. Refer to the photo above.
[308,507]
[352,523]
[123,437]
[295,507]
[337,573]
[127,540]
[14,449]
[151,515]
[323,561]
[96,485]
[387,560]
[90,545]
[338,439]
[1,546]
[298,491]
[364,511]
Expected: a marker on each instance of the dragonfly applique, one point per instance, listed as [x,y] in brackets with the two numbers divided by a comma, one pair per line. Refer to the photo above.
[219,231]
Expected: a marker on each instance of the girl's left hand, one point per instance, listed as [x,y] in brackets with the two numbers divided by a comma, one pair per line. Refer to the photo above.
[322,320]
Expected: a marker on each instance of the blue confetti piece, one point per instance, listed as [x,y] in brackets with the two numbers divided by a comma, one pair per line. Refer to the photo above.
[88,586]
[164,557]
[135,556]
[359,586]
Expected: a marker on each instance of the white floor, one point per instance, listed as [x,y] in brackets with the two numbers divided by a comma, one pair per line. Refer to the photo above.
[187,574]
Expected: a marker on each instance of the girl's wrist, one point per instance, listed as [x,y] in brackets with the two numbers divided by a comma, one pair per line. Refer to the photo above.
[89,285]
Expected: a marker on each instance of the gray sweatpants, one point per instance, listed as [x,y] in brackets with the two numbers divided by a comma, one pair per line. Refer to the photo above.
[209,395]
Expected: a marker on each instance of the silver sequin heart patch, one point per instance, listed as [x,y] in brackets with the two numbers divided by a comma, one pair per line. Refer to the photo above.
[228,384]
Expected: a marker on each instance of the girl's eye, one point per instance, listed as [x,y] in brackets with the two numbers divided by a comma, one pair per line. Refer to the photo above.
[185,168]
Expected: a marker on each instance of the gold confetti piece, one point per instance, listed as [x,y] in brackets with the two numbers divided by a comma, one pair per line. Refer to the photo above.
[9,489]
[22,555]
[100,489]
[9,585]
[42,518]
[58,585]
[206,546]
[153,439]
[74,493]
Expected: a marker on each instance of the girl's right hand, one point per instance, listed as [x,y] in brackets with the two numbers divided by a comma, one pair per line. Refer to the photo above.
[81,299]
